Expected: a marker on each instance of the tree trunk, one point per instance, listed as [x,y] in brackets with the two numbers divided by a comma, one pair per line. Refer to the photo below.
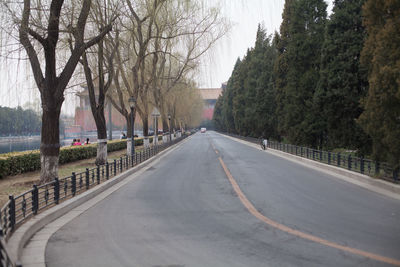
[145,121]
[129,132]
[164,123]
[50,143]
[100,121]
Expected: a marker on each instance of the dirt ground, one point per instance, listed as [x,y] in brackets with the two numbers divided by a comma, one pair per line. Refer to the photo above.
[17,184]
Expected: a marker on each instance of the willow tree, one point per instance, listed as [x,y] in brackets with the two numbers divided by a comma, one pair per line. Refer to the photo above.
[184,33]
[100,63]
[162,41]
[39,29]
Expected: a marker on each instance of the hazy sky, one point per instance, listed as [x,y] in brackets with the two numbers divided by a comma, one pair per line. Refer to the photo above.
[17,87]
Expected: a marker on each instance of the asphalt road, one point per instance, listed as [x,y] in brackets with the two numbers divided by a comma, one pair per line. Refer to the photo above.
[184,212]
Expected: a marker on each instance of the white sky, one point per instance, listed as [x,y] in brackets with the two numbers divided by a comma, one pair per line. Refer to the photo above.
[17,87]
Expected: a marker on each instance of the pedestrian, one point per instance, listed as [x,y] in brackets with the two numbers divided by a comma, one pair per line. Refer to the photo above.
[87,141]
[265,144]
[73,142]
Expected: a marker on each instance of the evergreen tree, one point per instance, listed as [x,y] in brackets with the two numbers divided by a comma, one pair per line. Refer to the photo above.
[297,69]
[229,94]
[343,82]
[281,65]
[265,100]
[218,119]
[381,54]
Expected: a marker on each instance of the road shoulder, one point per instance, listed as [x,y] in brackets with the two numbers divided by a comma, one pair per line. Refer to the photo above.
[375,185]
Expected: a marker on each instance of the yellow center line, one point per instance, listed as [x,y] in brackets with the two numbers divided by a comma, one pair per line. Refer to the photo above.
[249,206]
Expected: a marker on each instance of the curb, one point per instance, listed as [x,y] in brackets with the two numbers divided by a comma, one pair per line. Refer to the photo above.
[375,185]
[26,231]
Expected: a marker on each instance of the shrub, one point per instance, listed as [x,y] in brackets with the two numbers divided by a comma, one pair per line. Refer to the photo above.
[19,162]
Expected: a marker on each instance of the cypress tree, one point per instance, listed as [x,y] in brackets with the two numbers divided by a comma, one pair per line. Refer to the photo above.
[298,69]
[343,82]
[229,94]
[381,54]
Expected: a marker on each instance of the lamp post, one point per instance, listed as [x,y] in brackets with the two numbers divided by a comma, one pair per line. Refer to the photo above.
[132,103]
[169,127]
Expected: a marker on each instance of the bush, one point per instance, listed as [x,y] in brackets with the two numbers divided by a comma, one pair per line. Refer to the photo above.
[19,162]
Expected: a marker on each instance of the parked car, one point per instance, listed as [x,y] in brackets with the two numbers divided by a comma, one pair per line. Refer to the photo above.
[203,130]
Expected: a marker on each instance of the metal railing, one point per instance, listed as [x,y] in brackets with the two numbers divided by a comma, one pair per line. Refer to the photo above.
[361,165]
[5,260]
[20,208]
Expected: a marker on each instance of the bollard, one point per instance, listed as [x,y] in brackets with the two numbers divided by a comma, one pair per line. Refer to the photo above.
[329,158]
[115,167]
[120,164]
[338,159]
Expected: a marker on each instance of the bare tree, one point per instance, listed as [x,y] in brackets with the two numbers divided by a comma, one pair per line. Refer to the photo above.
[102,14]
[51,83]
[167,39]
[180,43]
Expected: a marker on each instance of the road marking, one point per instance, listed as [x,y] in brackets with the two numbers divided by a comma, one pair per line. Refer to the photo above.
[249,206]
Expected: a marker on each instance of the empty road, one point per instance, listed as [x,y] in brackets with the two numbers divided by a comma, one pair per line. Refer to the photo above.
[217,202]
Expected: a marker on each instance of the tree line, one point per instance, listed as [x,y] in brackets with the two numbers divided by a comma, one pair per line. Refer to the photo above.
[141,50]
[322,82]
[16,121]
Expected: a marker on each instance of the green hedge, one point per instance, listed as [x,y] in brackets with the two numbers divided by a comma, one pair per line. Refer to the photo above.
[19,162]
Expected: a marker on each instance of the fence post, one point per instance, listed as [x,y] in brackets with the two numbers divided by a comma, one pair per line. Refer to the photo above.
[338,159]
[115,167]
[73,184]
[87,178]
[56,188]
[11,211]
[349,162]
[107,171]
[98,174]
[377,167]
[120,164]
[35,199]
[313,154]
[396,175]
[329,157]
[362,165]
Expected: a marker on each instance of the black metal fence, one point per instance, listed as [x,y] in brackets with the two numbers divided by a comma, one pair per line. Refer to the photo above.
[20,208]
[4,256]
[347,161]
